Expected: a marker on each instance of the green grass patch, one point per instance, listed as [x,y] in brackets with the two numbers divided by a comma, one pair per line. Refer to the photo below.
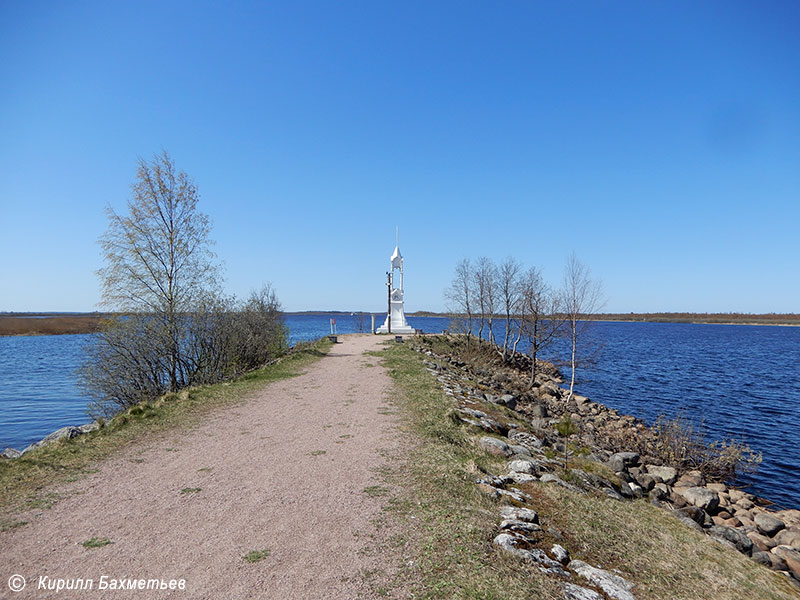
[317,452]
[255,556]
[450,524]
[188,490]
[374,491]
[96,542]
[23,479]
[9,525]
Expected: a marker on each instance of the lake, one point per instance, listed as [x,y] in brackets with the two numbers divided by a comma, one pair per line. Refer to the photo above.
[738,380]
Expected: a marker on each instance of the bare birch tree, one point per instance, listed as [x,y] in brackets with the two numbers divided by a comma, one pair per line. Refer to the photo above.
[485,292]
[508,287]
[540,316]
[158,256]
[581,296]
[459,294]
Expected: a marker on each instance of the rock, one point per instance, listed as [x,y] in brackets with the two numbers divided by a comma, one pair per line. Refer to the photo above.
[691,479]
[767,524]
[495,446]
[647,482]
[761,542]
[508,401]
[745,503]
[706,499]
[666,475]
[789,537]
[522,527]
[695,513]
[523,466]
[762,558]
[520,514]
[517,450]
[522,477]
[551,478]
[560,554]
[622,460]
[790,556]
[493,426]
[538,411]
[576,592]
[615,587]
[515,545]
[10,453]
[717,487]
[739,540]
[526,439]
[735,495]
[778,564]
[658,494]
[67,433]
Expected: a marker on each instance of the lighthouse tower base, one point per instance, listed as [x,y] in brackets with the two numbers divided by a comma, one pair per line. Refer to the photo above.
[398,321]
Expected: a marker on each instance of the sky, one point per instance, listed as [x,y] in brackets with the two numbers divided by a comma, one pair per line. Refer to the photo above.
[659,141]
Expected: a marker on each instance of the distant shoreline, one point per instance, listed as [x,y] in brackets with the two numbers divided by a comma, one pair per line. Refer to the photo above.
[38,323]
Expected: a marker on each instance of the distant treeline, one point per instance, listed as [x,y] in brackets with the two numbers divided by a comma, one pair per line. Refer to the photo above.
[666,317]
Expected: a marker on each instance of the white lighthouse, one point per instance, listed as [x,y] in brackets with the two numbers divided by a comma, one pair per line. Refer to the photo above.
[396,318]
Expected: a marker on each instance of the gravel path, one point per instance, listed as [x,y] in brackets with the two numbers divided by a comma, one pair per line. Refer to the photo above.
[285,472]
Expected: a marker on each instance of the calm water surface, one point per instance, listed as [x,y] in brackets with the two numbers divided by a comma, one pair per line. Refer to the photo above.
[740,381]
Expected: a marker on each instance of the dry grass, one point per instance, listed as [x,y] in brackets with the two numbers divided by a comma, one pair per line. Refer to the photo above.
[50,325]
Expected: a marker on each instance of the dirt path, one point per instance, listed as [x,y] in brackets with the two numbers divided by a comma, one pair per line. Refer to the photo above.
[286,472]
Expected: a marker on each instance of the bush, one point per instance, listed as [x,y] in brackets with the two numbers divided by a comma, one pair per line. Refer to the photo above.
[678,443]
[130,360]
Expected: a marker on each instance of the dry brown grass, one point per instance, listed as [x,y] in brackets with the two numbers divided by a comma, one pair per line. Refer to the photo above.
[57,325]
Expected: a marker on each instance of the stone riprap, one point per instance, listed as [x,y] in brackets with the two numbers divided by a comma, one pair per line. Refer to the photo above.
[733,517]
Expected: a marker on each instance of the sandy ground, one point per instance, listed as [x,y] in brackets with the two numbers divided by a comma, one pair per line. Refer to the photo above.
[285,472]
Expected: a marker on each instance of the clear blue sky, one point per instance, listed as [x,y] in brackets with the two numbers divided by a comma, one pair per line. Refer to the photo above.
[659,141]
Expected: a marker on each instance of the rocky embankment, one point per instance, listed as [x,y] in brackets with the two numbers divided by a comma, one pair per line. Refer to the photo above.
[65,433]
[532,448]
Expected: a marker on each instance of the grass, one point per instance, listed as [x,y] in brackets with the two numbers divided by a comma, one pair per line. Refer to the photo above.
[255,556]
[317,452]
[187,490]
[450,525]
[25,482]
[96,542]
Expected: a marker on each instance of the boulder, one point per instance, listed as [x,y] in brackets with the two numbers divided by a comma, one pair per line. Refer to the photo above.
[523,466]
[519,514]
[576,592]
[614,586]
[538,411]
[519,451]
[560,554]
[761,542]
[700,496]
[745,503]
[646,481]
[508,401]
[622,460]
[516,546]
[762,558]
[691,479]
[732,536]
[767,524]
[666,475]
[789,537]
[791,557]
[495,446]
[695,513]
[717,487]
[10,453]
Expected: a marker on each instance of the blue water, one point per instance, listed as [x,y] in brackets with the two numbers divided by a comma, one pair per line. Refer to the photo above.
[740,381]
